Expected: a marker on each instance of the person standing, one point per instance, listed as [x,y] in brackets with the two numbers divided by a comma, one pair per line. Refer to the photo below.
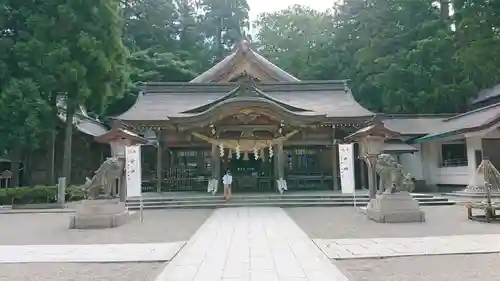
[227,180]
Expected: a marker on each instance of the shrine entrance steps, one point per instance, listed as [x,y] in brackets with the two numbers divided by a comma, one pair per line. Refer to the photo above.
[197,200]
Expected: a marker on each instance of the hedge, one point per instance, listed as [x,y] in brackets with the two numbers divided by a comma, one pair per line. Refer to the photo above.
[37,194]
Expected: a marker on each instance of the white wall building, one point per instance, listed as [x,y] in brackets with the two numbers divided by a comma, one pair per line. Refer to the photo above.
[449,148]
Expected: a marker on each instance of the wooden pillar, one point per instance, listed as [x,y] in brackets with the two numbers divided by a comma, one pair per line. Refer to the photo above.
[335,161]
[159,161]
[362,168]
[122,184]
[215,158]
[372,176]
[276,170]
[281,162]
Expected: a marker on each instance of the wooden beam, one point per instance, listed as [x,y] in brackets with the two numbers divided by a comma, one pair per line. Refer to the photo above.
[159,161]
[335,166]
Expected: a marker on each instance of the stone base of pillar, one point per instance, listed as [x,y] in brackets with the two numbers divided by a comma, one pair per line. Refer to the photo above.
[395,208]
[96,214]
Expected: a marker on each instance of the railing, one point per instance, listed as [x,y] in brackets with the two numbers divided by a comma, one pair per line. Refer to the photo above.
[309,181]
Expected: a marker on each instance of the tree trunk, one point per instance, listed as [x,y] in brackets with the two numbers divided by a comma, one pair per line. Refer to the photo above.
[68,137]
[14,166]
[445,10]
[220,51]
[27,170]
[51,159]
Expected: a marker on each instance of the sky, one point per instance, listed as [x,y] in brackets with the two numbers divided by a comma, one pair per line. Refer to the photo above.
[262,6]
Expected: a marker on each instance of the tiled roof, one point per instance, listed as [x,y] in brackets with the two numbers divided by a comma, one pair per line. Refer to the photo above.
[414,124]
[245,52]
[82,121]
[470,121]
[398,148]
[162,100]
[487,94]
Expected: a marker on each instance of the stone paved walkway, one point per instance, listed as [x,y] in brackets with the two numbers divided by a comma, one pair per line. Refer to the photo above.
[250,244]
[140,252]
[413,246]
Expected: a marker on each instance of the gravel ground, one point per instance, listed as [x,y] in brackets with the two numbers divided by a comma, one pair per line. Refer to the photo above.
[348,222]
[49,229]
[80,271]
[423,268]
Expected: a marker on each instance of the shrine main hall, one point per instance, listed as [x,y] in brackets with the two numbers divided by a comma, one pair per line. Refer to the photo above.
[247,116]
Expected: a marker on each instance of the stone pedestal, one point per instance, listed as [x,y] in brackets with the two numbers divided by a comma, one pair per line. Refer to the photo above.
[99,214]
[393,208]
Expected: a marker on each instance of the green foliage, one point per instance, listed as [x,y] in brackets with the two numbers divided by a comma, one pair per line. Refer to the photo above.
[400,56]
[37,194]
[224,22]
[288,37]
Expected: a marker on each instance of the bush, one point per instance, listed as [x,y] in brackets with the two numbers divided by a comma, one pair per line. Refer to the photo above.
[37,194]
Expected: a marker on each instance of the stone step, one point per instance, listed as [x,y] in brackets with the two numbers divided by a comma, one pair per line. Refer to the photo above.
[281,200]
[246,197]
[263,197]
[466,194]
[298,202]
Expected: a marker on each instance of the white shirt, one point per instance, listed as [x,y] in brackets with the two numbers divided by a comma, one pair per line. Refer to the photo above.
[227,179]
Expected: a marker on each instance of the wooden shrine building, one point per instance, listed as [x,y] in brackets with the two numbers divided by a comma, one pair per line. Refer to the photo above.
[248,116]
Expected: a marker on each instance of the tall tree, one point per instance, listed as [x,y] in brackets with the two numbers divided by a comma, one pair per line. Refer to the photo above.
[225,22]
[402,56]
[86,39]
[289,38]
[477,25]
[24,111]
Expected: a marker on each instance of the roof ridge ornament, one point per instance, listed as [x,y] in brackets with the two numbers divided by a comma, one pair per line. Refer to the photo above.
[243,45]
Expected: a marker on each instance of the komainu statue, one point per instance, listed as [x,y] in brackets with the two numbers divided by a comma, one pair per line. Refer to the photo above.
[392,177]
[104,179]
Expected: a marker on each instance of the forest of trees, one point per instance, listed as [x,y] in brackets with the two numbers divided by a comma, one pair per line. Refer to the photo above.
[426,56]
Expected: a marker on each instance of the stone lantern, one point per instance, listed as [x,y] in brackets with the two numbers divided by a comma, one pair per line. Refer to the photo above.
[371,139]
[394,202]
[119,138]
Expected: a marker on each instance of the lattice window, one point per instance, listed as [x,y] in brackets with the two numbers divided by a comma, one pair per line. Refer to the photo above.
[302,160]
[187,158]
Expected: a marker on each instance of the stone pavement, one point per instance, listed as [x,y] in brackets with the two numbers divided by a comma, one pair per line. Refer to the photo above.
[412,246]
[247,244]
[140,252]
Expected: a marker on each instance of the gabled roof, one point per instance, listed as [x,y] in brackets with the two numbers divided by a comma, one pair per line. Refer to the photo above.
[415,124]
[474,120]
[487,94]
[243,60]
[163,101]
[374,128]
[120,133]
[83,122]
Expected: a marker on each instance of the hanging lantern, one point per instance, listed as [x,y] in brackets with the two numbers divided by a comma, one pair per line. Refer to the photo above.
[245,156]
[230,154]
[256,153]
[221,147]
[237,151]
[271,153]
